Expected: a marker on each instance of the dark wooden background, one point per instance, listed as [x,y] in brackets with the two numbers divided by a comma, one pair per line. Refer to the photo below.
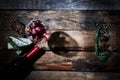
[70,19]
[61,4]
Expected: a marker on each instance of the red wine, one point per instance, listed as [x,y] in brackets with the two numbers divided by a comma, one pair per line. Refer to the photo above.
[19,68]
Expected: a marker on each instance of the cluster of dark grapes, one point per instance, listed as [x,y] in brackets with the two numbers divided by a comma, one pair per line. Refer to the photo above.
[37,31]
[104,38]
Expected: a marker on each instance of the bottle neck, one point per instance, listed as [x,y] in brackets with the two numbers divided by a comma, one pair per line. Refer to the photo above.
[32,52]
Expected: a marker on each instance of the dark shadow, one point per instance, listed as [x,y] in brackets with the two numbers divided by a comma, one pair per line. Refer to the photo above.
[62,44]
[92,63]
[6,56]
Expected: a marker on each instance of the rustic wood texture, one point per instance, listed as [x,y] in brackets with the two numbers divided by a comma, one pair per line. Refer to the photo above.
[61,4]
[62,19]
[56,66]
[72,35]
[66,75]
[69,21]
[81,61]
[55,75]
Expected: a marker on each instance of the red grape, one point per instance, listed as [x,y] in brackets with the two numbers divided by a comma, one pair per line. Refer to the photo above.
[35,39]
[42,30]
[38,28]
[104,38]
[34,31]
[33,25]
[38,21]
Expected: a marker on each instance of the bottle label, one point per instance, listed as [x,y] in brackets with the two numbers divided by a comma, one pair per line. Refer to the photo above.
[32,52]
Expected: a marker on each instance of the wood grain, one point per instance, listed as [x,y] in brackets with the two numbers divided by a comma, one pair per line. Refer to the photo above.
[57,66]
[60,4]
[71,75]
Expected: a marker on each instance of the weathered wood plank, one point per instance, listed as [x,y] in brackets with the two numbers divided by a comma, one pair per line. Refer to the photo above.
[61,4]
[67,75]
[80,61]
[57,66]
[65,19]
[71,40]
[75,39]
[55,75]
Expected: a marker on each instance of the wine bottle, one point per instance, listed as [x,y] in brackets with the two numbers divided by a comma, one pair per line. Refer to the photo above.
[25,49]
[20,67]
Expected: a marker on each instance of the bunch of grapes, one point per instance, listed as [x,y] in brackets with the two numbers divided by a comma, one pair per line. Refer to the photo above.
[104,38]
[37,31]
